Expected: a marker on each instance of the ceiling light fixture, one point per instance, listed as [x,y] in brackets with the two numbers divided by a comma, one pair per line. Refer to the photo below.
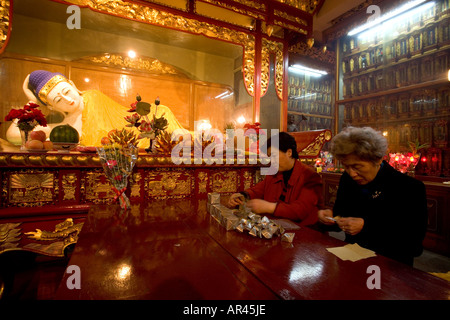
[388,16]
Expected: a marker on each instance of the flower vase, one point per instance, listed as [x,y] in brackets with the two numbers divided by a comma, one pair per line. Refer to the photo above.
[25,136]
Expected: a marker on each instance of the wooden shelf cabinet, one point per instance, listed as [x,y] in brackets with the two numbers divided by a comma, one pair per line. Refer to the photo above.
[397,83]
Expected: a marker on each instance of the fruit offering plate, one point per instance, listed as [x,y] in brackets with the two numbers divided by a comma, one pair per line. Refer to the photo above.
[38,150]
[85,149]
[64,146]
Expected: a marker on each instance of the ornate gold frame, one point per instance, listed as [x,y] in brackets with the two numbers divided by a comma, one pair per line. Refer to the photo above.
[275,47]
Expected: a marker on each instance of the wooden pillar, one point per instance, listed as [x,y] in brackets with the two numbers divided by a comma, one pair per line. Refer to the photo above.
[284,103]
[258,58]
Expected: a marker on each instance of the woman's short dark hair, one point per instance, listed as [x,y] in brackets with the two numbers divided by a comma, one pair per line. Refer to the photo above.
[285,142]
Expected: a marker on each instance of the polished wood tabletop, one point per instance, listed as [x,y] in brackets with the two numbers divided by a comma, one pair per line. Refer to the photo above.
[174,249]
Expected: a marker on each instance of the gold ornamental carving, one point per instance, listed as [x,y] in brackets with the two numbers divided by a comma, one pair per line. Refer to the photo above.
[5,21]
[304,5]
[252,4]
[150,65]
[268,47]
[291,18]
[161,18]
[10,235]
[53,243]
[135,184]
[314,147]
[50,243]
[248,179]
[302,48]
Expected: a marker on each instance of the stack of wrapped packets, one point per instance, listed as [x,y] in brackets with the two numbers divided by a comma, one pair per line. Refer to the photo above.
[245,220]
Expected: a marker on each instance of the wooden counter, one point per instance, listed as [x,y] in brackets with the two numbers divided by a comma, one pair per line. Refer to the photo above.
[173,249]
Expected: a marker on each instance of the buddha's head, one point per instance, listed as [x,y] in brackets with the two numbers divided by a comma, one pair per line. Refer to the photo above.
[54,90]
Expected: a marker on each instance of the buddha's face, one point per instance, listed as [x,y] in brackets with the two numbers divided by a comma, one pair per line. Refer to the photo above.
[64,97]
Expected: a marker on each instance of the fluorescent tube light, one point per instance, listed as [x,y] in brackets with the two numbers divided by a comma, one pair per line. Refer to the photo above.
[305,70]
[387,16]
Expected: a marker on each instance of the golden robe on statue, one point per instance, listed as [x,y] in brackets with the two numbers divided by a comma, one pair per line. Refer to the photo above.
[102,114]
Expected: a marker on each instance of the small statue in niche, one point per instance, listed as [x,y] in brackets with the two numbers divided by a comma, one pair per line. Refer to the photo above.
[292,125]
[380,55]
[91,112]
[363,61]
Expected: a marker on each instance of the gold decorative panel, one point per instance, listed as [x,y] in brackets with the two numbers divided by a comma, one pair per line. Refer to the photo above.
[202,180]
[69,186]
[153,66]
[248,179]
[97,187]
[169,183]
[225,181]
[31,189]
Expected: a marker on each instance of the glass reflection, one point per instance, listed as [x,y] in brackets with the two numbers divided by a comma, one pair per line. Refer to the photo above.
[123,272]
[305,271]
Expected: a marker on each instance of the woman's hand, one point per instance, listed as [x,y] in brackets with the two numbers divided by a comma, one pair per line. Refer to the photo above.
[351,226]
[326,217]
[261,206]
[235,200]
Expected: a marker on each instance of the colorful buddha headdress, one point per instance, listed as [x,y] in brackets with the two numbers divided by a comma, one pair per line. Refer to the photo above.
[41,82]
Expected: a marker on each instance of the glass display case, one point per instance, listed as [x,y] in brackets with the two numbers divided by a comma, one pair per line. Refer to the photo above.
[394,77]
[310,101]
[121,56]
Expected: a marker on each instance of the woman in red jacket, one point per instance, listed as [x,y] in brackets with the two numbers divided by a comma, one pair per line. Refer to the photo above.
[294,192]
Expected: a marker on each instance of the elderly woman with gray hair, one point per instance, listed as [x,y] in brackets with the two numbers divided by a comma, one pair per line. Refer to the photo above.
[376,206]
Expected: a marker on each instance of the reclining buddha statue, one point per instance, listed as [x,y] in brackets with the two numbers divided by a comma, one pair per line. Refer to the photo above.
[91,112]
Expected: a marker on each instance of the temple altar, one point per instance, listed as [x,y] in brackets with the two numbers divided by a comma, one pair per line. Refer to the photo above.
[65,180]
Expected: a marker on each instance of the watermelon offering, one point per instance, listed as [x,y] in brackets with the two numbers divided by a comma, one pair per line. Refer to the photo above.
[64,137]
[64,133]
